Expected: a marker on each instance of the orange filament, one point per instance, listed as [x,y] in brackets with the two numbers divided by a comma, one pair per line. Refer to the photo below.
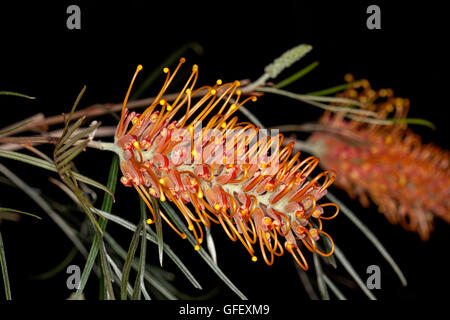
[302,262]
[331,242]
[120,130]
[262,244]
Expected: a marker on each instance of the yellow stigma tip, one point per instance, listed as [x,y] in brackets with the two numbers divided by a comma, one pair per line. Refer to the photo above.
[149,221]
[219,82]
[217,206]
[191,128]
[188,91]
[161,181]
[254,99]
[162,102]
[183,236]
[200,195]
[195,67]
[136,144]
[165,70]
[196,248]
[254,259]
[213,91]
[139,67]
[191,228]
[182,60]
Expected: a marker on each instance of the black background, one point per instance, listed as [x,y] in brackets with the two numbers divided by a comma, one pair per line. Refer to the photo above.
[42,58]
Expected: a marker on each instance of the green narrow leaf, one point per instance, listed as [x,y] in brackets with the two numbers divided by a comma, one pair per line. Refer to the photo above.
[51,167]
[102,294]
[130,256]
[70,131]
[318,101]
[75,193]
[348,266]
[304,278]
[106,278]
[118,272]
[419,121]
[87,268]
[320,281]
[64,154]
[20,125]
[341,87]
[159,232]
[297,75]
[21,212]
[106,281]
[77,101]
[69,155]
[331,90]
[156,281]
[10,93]
[35,196]
[93,183]
[139,282]
[333,288]
[5,276]
[152,237]
[173,215]
[62,146]
[111,183]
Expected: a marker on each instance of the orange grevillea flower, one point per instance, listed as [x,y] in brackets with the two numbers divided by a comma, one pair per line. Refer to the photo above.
[407,180]
[226,171]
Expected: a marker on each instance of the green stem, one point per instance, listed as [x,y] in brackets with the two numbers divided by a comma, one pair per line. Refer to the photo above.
[4,270]
[297,75]
[331,90]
